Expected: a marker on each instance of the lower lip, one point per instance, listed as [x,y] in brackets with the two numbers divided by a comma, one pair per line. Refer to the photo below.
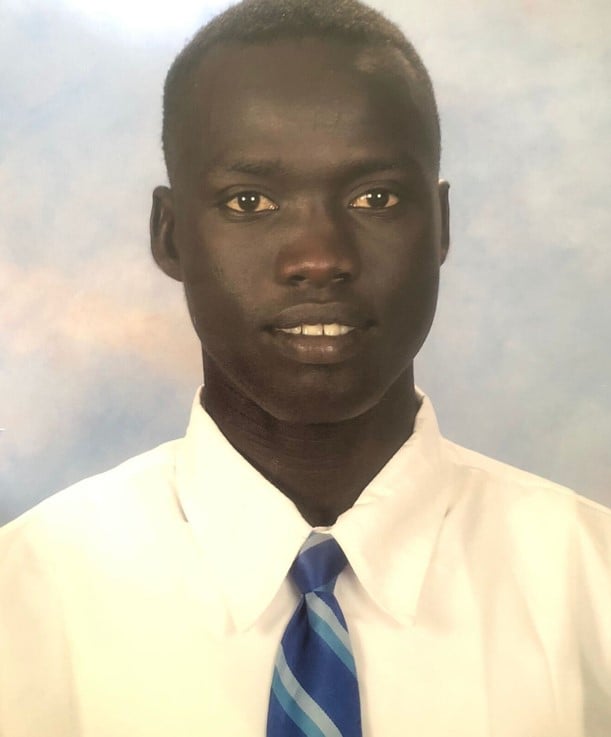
[318,349]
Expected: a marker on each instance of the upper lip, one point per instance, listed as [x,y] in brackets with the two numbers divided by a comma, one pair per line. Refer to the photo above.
[314,313]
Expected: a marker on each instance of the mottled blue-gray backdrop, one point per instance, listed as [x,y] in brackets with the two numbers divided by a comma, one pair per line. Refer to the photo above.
[97,361]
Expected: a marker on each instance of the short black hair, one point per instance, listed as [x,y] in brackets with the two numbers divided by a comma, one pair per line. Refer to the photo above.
[260,21]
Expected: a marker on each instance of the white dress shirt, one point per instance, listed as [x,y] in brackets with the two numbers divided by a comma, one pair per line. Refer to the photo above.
[149,601]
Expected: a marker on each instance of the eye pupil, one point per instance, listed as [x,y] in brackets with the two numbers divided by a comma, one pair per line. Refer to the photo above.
[249,201]
[378,198]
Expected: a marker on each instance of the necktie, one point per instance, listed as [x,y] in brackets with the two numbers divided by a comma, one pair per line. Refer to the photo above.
[314,687]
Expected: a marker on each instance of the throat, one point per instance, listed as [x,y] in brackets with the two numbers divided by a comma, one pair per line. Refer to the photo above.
[321,468]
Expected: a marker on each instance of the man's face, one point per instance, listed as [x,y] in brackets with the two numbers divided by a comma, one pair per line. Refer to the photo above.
[306,220]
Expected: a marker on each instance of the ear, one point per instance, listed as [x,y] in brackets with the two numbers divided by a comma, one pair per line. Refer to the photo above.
[444,207]
[162,233]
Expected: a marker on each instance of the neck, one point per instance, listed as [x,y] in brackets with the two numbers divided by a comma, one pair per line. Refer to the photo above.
[322,468]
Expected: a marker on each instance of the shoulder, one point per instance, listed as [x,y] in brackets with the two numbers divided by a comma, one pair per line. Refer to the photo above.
[476,473]
[547,543]
[106,506]
[539,525]
[544,520]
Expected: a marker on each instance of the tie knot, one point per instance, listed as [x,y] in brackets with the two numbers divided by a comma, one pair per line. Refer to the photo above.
[318,563]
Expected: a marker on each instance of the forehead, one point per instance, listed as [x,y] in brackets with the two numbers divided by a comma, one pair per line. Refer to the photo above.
[304,99]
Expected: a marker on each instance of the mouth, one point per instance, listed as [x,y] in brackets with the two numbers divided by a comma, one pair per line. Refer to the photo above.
[320,333]
[331,329]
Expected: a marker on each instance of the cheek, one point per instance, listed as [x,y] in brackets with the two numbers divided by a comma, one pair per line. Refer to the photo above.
[402,262]
[215,307]
[216,278]
[407,280]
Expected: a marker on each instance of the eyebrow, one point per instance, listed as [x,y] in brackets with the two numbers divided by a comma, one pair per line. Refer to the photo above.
[362,167]
[255,167]
[258,167]
[349,169]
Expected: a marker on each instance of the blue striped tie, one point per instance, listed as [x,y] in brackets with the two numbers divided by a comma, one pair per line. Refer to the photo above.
[314,688]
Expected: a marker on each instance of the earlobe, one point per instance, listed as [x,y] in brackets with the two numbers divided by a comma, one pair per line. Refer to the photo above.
[444,207]
[162,233]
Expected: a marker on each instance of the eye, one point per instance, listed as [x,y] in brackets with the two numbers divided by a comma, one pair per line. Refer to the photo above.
[378,198]
[246,202]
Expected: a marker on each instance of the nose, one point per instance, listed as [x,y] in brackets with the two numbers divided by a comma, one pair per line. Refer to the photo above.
[319,253]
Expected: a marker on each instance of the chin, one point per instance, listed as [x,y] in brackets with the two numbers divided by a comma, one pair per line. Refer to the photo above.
[322,403]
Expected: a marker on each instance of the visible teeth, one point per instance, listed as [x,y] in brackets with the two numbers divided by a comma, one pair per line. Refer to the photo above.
[329,329]
[312,330]
[335,328]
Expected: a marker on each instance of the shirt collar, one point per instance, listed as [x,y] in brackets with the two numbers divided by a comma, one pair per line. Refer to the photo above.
[389,535]
[250,532]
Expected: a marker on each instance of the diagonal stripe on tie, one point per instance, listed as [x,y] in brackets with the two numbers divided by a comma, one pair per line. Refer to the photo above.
[326,624]
[314,688]
[298,704]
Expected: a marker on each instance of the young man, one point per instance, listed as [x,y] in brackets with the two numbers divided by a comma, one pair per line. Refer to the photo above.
[442,592]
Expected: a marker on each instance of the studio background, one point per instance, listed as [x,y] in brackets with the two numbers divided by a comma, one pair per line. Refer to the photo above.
[97,358]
